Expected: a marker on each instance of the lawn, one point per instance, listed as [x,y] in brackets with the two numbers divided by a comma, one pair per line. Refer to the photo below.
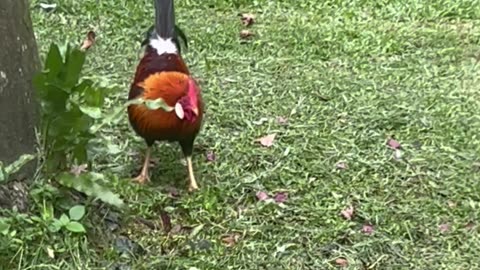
[334,80]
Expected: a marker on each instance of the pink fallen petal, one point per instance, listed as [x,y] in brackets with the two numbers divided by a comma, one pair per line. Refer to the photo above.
[394,144]
[261,195]
[444,228]
[281,197]
[367,229]
[347,213]
[211,156]
[267,141]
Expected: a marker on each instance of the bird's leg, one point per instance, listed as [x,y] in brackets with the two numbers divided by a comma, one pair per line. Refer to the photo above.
[192,184]
[143,176]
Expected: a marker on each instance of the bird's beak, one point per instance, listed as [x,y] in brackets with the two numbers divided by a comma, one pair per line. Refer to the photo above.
[195,111]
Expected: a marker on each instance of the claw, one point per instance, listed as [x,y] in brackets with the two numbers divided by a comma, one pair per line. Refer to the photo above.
[142,179]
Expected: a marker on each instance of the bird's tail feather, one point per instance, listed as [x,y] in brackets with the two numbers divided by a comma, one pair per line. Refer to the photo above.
[165,18]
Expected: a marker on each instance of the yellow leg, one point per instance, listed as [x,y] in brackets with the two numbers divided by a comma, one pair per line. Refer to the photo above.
[143,177]
[192,185]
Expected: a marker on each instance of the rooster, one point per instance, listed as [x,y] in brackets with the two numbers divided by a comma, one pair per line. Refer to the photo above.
[162,73]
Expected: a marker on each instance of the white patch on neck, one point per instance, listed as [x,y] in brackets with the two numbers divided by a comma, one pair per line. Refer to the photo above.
[162,45]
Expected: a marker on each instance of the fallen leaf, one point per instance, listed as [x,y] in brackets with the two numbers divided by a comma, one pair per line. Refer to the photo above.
[341,165]
[260,121]
[282,120]
[397,154]
[48,7]
[78,169]
[267,141]
[166,222]
[444,228]
[211,156]
[176,229]
[247,19]
[347,213]
[394,144]
[280,197]
[367,229]
[262,196]
[341,262]
[246,34]
[173,192]
[231,239]
[470,225]
[451,204]
[89,40]
[50,253]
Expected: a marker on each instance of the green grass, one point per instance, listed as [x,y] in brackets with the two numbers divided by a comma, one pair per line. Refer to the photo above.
[348,75]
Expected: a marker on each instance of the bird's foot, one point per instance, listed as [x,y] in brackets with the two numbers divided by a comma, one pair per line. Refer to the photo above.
[192,187]
[142,178]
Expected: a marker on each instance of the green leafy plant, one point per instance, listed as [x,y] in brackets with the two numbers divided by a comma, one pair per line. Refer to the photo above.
[70,117]
[69,107]
[71,222]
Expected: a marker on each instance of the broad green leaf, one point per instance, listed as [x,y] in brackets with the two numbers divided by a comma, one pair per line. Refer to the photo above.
[76,212]
[114,117]
[55,226]
[4,226]
[53,62]
[73,65]
[90,184]
[64,219]
[94,96]
[93,112]
[75,227]
[80,153]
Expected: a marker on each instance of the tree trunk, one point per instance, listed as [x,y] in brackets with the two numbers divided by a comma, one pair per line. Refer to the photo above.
[18,107]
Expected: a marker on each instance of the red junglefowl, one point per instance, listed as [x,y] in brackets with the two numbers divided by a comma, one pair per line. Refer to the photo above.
[162,73]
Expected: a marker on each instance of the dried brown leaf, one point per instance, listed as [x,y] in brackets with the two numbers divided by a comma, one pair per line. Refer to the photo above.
[246,34]
[231,239]
[470,225]
[341,262]
[282,120]
[247,19]
[444,227]
[341,165]
[166,222]
[89,41]
[267,141]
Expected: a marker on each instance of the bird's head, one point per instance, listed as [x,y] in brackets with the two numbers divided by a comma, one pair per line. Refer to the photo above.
[186,107]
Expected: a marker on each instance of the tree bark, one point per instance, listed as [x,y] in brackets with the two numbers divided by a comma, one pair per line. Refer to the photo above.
[18,107]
